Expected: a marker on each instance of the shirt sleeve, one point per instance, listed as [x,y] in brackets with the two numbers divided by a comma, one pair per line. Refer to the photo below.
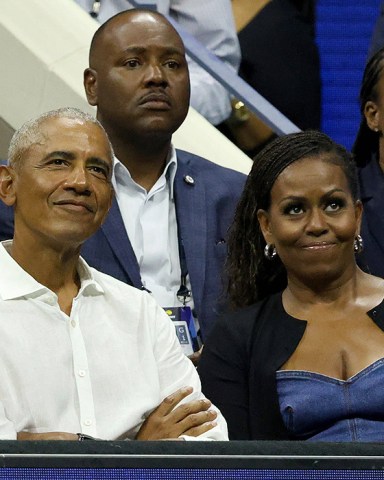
[176,371]
[7,429]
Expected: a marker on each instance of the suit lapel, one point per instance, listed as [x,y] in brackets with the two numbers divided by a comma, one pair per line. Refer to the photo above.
[114,230]
[191,214]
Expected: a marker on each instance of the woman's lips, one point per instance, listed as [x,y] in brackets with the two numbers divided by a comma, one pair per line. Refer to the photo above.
[315,246]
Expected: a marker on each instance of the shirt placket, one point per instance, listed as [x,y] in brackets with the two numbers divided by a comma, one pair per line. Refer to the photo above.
[81,374]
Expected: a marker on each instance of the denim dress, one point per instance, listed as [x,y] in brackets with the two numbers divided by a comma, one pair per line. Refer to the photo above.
[316,407]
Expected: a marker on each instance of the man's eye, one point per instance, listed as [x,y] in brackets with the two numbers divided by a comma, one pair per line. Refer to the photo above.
[99,170]
[57,161]
[172,64]
[132,63]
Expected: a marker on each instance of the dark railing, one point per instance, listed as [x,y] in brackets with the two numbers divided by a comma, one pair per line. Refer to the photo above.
[190,460]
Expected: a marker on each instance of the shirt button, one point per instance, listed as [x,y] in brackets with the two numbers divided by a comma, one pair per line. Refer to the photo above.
[88,422]
[51,301]
[73,323]
[374,313]
[81,373]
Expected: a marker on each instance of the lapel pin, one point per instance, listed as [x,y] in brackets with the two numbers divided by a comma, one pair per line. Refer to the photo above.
[188,179]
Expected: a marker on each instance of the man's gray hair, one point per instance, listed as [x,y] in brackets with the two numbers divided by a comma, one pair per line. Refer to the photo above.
[30,132]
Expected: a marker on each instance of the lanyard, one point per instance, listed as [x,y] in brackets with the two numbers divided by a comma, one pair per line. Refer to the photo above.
[183,293]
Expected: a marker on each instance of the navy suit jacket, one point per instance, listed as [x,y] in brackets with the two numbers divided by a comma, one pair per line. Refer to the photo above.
[371,180]
[205,210]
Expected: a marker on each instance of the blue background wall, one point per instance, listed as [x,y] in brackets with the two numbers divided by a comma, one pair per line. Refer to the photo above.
[343,31]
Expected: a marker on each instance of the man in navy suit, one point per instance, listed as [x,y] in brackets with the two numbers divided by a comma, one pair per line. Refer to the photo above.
[166,231]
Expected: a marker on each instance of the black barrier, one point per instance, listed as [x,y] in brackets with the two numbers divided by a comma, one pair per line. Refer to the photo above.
[171,460]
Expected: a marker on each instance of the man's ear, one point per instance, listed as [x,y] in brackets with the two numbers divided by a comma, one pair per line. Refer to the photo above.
[90,85]
[263,218]
[372,115]
[7,185]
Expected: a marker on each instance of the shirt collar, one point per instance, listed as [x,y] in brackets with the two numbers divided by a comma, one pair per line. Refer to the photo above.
[88,283]
[16,282]
[121,172]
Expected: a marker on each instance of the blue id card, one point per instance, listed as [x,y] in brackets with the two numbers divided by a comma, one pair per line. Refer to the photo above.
[185,328]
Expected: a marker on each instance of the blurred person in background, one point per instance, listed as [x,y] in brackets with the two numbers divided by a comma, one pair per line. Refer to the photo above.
[280,60]
[368,150]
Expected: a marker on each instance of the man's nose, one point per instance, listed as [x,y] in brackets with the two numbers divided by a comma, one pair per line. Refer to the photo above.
[78,179]
[155,74]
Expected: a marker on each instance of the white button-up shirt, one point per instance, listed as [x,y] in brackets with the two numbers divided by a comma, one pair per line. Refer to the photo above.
[99,371]
[150,221]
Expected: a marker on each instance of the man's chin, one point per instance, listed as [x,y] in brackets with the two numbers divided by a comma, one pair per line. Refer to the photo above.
[73,238]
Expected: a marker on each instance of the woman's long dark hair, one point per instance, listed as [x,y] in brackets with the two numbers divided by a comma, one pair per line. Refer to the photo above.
[367,141]
[251,277]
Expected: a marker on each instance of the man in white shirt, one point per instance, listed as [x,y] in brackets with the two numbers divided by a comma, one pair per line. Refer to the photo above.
[212,23]
[81,353]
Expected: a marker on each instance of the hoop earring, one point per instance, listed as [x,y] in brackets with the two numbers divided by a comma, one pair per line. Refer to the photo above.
[270,251]
[358,244]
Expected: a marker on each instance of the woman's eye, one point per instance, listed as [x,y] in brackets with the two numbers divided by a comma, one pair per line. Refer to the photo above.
[333,206]
[294,210]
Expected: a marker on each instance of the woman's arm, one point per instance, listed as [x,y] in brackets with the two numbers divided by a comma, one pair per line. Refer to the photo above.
[224,373]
